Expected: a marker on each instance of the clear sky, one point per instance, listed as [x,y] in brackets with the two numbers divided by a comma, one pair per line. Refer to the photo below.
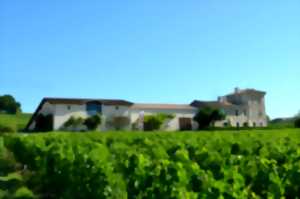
[166,51]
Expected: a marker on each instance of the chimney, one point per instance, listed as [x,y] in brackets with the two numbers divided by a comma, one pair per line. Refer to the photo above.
[236,90]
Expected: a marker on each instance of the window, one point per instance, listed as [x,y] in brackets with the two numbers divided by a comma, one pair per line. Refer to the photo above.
[237,112]
[69,107]
[117,107]
[245,124]
[238,124]
[93,108]
[225,124]
[245,112]
[254,124]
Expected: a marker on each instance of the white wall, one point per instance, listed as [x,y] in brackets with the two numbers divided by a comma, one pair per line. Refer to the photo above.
[110,111]
[173,124]
[255,113]
[63,113]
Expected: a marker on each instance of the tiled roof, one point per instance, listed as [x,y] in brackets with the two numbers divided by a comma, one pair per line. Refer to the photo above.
[83,101]
[163,106]
[211,104]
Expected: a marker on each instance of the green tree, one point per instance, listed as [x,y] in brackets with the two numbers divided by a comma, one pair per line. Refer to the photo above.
[207,116]
[73,123]
[154,122]
[92,122]
[8,104]
[297,122]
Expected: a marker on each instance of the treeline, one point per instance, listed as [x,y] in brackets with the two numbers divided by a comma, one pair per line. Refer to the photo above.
[10,112]
[9,105]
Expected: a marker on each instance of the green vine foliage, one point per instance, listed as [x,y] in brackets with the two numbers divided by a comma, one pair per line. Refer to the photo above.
[152,165]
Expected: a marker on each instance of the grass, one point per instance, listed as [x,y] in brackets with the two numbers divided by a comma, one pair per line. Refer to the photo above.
[20,120]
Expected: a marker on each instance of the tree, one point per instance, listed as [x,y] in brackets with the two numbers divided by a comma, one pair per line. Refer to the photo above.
[154,122]
[92,122]
[207,116]
[73,123]
[297,122]
[8,104]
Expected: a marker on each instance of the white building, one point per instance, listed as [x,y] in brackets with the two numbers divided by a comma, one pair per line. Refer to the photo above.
[242,108]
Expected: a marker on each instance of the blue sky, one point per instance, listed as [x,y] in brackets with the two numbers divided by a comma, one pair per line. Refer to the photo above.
[151,51]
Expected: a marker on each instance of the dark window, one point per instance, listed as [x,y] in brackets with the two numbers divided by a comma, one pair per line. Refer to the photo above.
[236,112]
[93,108]
[225,124]
[69,107]
[117,107]
[245,124]
[238,124]
[254,124]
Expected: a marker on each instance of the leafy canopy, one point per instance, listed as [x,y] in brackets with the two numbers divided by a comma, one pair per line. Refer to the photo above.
[75,123]
[8,104]
[92,122]
[207,116]
[154,122]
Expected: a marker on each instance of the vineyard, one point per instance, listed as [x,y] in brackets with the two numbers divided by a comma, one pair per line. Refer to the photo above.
[237,164]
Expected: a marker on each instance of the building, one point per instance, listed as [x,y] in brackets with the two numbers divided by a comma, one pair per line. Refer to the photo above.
[242,108]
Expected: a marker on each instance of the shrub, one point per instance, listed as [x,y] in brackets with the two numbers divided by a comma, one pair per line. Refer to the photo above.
[92,122]
[151,123]
[154,122]
[73,122]
[118,122]
[297,122]
[80,124]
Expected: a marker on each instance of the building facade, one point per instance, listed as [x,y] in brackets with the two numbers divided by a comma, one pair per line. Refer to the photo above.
[243,108]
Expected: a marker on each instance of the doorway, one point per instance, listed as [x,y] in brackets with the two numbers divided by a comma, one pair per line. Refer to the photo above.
[185,124]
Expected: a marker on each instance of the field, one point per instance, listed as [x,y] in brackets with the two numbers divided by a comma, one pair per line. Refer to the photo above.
[225,164]
[17,121]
